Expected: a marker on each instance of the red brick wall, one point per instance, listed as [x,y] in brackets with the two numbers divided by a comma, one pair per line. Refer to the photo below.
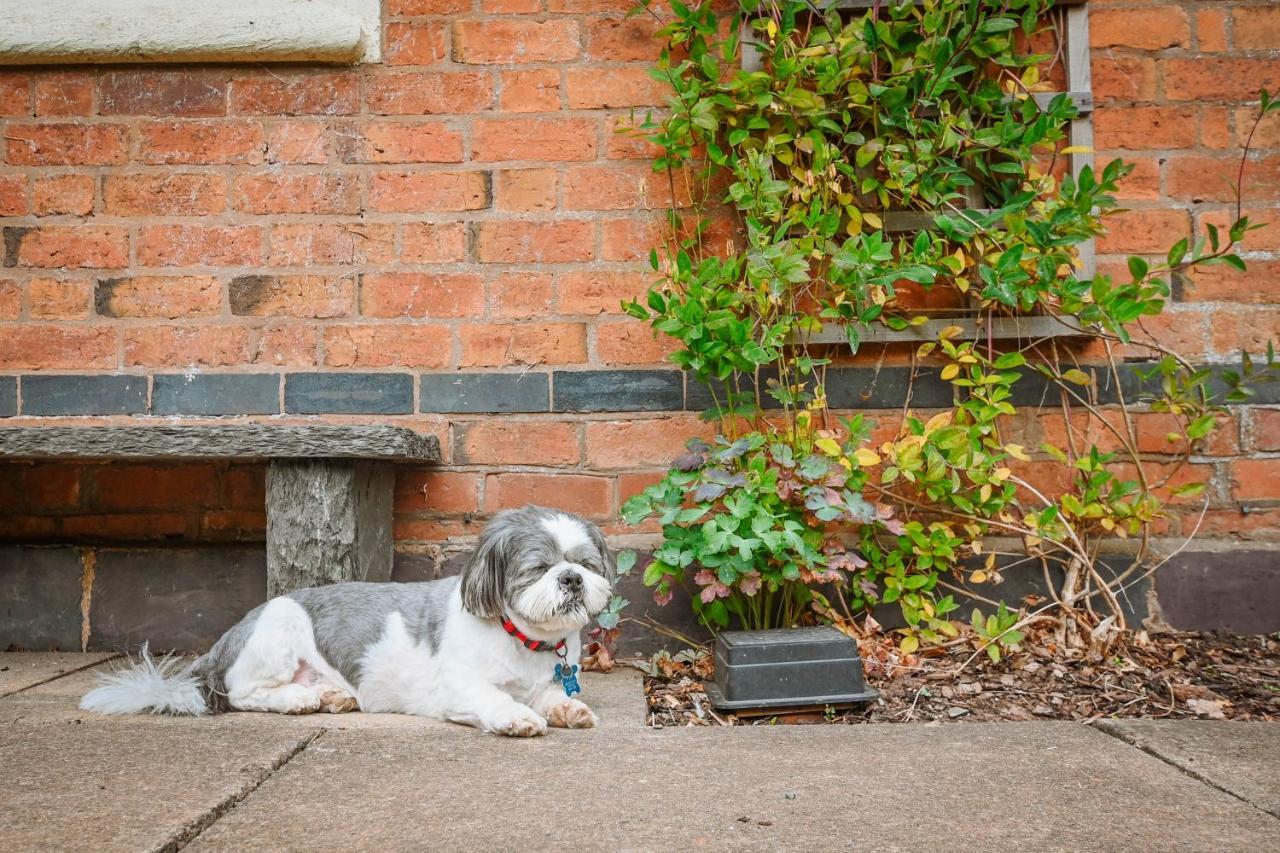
[467,206]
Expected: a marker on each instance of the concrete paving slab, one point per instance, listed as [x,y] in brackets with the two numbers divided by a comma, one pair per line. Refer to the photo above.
[23,670]
[127,784]
[1041,786]
[1240,758]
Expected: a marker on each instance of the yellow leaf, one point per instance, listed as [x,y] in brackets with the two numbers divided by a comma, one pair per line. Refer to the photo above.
[978,577]
[937,422]
[991,561]
[976,545]
[771,27]
[828,446]
[1079,377]
[950,372]
[1001,474]
[950,332]
[871,219]
[1016,451]
[925,349]
[962,285]
[984,493]
[1076,149]
[866,457]
[909,644]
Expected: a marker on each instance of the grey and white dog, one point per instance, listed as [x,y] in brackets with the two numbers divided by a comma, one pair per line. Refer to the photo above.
[479,649]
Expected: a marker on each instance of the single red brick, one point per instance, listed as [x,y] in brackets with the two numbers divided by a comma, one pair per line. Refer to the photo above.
[125,486]
[10,299]
[58,299]
[131,527]
[534,90]
[411,294]
[630,239]
[1255,479]
[39,347]
[1198,179]
[186,346]
[424,192]
[508,441]
[1143,183]
[1250,329]
[1148,29]
[497,345]
[510,7]
[244,487]
[63,94]
[427,7]
[297,142]
[399,142]
[627,142]
[292,296]
[1154,429]
[632,342]
[525,189]
[13,195]
[51,246]
[199,245]
[293,345]
[1153,230]
[66,144]
[162,93]
[641,443]
[429,93]
[554,139]
[413,44]
[1221,283]
[1265,238]
[1211,30]
[51,487]
[1146,127]
[1209,78]
[599,291]
[304,244]
[159,297]
[624,39]
[1122,77]
[515,241]
[388,345]
[588,496]
[1183,331]
[520,295]
[301,93]
[63,194]
[222,525]
[432,530]
[434,242]
[200,142]
[613,87]
[420,490]
[1267,133]
[297,193]
[502,42]
[1266,429]
[15,94]
[1256,27]
[164,194]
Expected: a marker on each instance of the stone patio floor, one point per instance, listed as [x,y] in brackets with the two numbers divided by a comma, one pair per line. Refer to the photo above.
[353,782]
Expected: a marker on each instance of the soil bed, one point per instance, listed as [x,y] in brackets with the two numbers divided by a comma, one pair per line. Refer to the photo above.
[1161,676]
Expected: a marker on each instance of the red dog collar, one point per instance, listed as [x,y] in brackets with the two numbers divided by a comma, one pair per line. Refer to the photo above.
[530,644]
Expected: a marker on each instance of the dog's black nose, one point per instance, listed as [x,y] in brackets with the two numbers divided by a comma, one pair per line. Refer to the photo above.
[571,580]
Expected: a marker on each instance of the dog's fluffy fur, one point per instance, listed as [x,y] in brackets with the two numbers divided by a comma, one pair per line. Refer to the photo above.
[436,649]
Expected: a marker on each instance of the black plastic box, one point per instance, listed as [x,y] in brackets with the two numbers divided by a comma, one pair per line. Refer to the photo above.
[787,668]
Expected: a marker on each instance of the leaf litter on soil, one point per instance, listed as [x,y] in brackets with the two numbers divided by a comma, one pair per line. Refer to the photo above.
[1166,675]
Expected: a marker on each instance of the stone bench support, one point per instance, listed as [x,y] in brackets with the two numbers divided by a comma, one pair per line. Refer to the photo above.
[329,488]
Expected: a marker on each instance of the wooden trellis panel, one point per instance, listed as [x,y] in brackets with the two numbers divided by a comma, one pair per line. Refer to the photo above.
[1080,137]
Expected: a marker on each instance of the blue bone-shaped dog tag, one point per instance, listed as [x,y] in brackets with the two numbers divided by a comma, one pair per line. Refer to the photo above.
[567,675]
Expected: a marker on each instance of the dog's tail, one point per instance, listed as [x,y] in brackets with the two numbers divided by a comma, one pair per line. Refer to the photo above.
[165,686]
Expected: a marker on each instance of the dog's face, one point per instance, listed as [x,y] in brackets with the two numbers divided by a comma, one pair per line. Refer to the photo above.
[550,569]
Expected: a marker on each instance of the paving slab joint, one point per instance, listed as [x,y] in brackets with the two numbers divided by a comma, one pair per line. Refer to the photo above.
[62,674]
[191,831]
[1136,742]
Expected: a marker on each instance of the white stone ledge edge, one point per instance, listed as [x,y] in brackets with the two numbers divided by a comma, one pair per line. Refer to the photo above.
[33,32]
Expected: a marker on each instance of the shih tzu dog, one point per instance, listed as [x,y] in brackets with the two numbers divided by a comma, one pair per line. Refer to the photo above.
[495,647]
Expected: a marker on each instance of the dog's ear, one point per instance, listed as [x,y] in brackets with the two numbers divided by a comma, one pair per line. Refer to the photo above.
[607,560]
[484,579]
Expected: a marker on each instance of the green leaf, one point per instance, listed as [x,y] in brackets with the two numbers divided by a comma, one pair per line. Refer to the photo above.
[625,561]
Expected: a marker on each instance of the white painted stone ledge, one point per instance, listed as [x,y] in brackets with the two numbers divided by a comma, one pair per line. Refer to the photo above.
[42,32]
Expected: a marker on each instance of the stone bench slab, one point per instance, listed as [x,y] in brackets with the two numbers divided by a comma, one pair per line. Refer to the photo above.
[243,441]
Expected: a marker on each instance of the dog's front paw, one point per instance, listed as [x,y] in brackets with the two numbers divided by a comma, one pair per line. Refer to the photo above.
[521,722]
[572,714]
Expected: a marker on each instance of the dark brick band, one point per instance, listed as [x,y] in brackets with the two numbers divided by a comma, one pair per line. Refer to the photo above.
[208,394]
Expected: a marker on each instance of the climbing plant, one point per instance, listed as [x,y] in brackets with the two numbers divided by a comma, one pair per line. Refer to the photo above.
[785,179]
